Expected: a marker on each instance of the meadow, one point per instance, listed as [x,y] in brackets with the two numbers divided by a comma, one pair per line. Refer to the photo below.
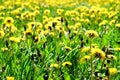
[59,40]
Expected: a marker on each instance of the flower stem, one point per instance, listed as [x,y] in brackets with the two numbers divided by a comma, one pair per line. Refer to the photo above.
[102,64]
[91,78]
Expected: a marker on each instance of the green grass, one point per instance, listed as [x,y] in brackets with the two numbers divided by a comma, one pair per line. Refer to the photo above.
[28,60]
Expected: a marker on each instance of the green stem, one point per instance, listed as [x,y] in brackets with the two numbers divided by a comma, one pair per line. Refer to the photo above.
[102,64]
[91,78]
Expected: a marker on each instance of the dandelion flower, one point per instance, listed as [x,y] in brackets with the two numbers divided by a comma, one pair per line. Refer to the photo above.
[117,49]
[2,34]
[9,20]
[28,32]
[4,49]
[14,39]
[112,71]
[112,57]
[67,63]
[85,49]
[91,34]
[54,66]
[98,53]
[46,12]
[51,33]
[13,28]
[85,58]
[59,11]
[10,78]
[104,22]
[117,25]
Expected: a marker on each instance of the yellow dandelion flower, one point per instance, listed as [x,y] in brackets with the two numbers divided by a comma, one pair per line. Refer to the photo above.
[87,21]
[9,20]
[60,28]
[85,58]
[44,32]
[32,16]
[13,28]
[67,13]
[59,11]
[1,18]
[77,25]
[46,12]
[44,17]
[94,45]
[112,71]
[2,33]
[45,21]
[14,39]
[117,25]
[39,25]
[22,39]
[71,26]
[48,26]
[98,53]
[73,13]
[91,34]
[51,19]
[2,8]
[92,16]
[112,57]
[51,33]
[112,22]
[104,22]
[85,49]
[67,63]
[10,78]
[57,18]
[117,49]
[54,65]
[31,25]
[4,49]
[36,12]
[56,23]
[28,32]
[75,32]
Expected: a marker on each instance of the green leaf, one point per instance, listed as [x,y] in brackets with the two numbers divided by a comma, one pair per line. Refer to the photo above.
[40,77]
[67,76]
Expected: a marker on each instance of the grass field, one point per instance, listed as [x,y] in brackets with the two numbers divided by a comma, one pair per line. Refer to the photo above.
[59,40]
